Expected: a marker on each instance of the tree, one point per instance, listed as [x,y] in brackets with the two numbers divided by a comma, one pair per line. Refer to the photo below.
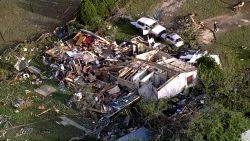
[209,74]
[91,11]
[102,8]
[152,107]
[87,13]
[217,124]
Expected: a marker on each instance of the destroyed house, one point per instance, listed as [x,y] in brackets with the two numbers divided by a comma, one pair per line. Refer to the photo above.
[157,75]
[87,47]
[104,98]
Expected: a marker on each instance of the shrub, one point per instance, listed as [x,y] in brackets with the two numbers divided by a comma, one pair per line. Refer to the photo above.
[92,11]
[209,73]
[217,124]
[87,13]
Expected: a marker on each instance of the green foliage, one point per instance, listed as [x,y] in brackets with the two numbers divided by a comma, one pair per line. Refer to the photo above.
[207,8]
[149,108]
[139,8]
[217,124]
[92,11]
[122,3]
[87,13]
[209,72]
[235,86]
[121,30]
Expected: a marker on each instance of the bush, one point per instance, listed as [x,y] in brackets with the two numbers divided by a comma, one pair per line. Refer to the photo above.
[209,73]
[217,124]
[150,108]
[87,13]
[92,11]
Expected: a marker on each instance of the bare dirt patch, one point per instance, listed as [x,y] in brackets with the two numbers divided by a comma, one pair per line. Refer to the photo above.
[168,10]
[205,36]
[226,24]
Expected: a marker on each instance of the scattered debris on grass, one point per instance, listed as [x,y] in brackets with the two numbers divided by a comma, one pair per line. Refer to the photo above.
[20,104]
[21,64]
[45,90]
[66,121]
[5,121]
[24,131]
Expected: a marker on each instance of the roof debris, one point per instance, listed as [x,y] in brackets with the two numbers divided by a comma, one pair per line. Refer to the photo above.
[45,90]
[106,77]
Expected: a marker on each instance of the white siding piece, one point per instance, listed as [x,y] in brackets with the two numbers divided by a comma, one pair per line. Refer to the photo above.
[245,136]
[146,79]
[138,76]
[176,85]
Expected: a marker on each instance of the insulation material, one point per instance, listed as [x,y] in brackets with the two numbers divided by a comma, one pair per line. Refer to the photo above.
[114,90]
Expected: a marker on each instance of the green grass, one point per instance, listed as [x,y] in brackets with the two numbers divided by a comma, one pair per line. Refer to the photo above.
[139,8]
[56,132]
[207,8]
[11,89]
[122,29]
[236,64]
[229,47]
[20,22]
[28,115]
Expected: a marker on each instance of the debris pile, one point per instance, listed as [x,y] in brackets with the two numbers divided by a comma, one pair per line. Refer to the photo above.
[105,98]
[191,56]
[106,77]
[4,121]
[81,63]
[183,23]
[20,104]
[24,131]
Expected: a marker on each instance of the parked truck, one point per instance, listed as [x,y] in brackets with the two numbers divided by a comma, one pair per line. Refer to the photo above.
[151,26]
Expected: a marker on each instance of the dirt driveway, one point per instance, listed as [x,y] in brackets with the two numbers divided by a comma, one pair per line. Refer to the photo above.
[168,10]
[229,22]
[22,19]
[226,24]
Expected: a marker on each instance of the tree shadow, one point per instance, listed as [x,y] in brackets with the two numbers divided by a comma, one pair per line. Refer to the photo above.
[230,4]
[56,9]
[227,3]
[124,26]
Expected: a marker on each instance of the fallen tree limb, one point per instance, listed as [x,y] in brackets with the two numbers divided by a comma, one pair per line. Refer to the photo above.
[43,112]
